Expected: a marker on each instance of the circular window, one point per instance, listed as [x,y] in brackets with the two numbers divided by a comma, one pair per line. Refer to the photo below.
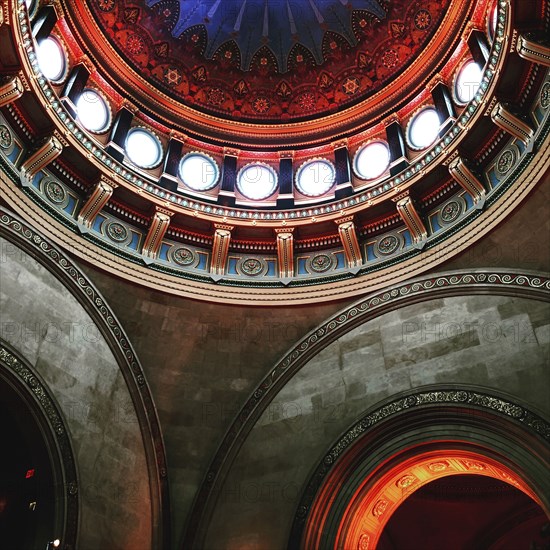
[93,111]
[257,181]
[423,128]
[143,148]
[467,81]
[51,59]
[198,171]
[315,177]
[372,160]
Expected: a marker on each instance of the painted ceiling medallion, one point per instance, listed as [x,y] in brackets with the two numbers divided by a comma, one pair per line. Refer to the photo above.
[269,60]
[280,25]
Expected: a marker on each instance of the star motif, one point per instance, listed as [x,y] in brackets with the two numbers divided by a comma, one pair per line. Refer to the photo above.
[350,86]
[172,76]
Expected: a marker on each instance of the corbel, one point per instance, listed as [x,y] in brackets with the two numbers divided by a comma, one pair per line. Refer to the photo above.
[533,51]
[348,236]
[509,122]
[460,172]
[11,90]
[408,213]
[285,253]
[48,151]
[95,203]
[220,249]
[157,230]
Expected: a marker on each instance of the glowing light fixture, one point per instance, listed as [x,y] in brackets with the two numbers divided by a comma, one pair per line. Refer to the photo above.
[468,81]
[257,181]
[423,128]
[372,160]
[93,111]
[143,148]
[199,171]
[316,177]
[51,59]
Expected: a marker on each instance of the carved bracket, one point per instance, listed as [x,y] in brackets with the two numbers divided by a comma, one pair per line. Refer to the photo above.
[220,249]
[348,236]
[46,153]
[285,253]
[157,230]
[408,213]
[469,182]
[95,203]
[512,124]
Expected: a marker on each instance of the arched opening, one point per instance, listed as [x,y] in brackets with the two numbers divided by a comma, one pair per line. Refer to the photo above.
[28,507]
[403,445]
[466,511]
[453,499]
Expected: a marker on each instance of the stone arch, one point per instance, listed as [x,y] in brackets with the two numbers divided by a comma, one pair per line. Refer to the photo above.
[350,496]
[54,317]
[344,349]
[34,395]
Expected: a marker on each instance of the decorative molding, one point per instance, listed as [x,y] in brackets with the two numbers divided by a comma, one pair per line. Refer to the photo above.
[460,283]
[23,235]
[21,370]
[465,400]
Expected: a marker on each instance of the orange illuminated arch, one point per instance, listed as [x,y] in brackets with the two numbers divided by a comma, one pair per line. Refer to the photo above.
[404,444]
[372,506]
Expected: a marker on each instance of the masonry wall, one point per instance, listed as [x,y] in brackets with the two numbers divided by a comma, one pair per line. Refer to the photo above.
[491,342]
[46,325]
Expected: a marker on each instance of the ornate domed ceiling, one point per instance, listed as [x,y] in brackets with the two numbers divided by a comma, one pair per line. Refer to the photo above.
[269,60]
[271,151]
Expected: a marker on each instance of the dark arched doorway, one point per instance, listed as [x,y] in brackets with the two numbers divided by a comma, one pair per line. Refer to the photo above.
[27,493]
[468,511]
[38,488]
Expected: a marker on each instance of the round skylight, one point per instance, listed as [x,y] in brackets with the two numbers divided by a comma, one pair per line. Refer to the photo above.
[372,160]
[467,81]
[93,111]
[257,181]
[423,128]
[198,171]
[51,59]
[316,177]
[143,148]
